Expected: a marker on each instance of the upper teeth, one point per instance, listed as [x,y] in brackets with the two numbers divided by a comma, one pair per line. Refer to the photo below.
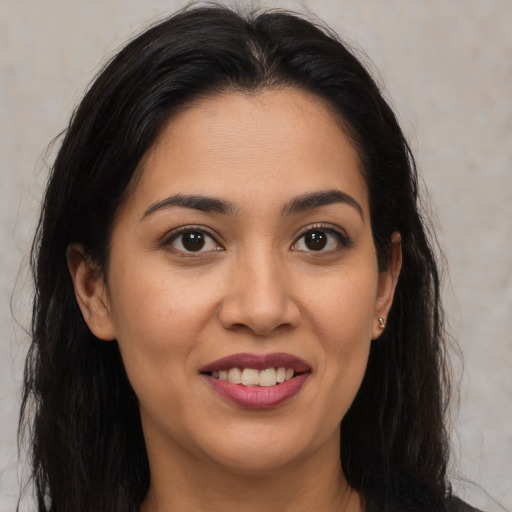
[253,377]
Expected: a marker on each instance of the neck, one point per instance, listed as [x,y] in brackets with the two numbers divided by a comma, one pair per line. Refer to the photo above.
[188,485]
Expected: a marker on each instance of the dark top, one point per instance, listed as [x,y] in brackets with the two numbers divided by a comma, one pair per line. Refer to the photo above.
[461,506]
[452,504]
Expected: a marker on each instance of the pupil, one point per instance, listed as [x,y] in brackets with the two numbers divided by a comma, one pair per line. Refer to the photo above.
[316,240]
[193,241]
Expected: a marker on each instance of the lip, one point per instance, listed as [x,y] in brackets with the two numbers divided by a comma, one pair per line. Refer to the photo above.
[258,397]
[258,362]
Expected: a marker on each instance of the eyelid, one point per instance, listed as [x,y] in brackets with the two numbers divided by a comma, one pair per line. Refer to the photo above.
[338,232]
[172,235]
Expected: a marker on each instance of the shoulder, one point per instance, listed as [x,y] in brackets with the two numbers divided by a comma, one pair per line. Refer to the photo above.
[457,505]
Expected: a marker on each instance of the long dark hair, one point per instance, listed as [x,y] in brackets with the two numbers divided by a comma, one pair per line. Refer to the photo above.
[87,446]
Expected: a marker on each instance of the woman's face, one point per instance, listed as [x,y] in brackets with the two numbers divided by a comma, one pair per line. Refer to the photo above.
[244,252]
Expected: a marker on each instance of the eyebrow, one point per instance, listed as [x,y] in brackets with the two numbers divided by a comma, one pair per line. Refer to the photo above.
[298,204]
[196,202]
[319,199]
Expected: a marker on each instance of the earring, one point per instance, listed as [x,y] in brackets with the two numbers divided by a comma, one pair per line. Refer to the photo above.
[382,323]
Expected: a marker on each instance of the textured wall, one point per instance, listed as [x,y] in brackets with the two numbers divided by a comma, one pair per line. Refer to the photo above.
[447,68]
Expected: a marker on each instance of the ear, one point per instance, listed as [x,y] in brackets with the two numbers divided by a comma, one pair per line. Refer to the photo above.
[90,292]
[387,284]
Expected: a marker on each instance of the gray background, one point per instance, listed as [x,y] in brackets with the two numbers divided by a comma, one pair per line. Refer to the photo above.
[447,69]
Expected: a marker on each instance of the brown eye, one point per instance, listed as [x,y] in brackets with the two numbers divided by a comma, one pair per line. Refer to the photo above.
[322,240]
[193,240]
[315,240]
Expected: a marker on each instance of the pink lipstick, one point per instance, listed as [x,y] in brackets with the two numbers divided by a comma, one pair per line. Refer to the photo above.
[257,381]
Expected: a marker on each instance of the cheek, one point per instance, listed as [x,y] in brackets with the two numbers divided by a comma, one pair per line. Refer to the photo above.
[158,319]
[153,306]
[157,327]
[342,306]
[343,317]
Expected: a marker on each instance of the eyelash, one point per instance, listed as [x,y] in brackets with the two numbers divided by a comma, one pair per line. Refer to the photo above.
[341,237]
[175,235]
[327,229]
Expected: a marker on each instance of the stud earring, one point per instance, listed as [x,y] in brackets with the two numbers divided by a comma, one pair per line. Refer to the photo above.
[382,323]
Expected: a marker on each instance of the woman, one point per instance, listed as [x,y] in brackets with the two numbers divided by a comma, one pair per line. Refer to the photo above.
[237,304]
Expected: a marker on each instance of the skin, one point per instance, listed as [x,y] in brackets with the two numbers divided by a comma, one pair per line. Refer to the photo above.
[255,286]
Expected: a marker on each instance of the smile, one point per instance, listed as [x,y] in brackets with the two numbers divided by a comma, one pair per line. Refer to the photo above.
[257,381]
[253,377]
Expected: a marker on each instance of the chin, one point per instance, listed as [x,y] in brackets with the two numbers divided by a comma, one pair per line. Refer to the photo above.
[256,462]
[258,452]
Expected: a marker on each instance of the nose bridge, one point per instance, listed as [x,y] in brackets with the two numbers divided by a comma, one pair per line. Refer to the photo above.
[259,297]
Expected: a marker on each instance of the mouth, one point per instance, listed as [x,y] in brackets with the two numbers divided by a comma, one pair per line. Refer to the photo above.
[257,381]
[253,377]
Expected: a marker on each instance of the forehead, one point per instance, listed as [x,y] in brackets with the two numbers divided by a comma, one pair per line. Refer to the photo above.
[267,144]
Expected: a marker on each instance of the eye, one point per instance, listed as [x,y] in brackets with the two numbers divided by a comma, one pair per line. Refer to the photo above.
[191,240]
[321,239]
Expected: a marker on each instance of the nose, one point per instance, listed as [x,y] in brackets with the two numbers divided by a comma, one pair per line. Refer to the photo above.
[259,297]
